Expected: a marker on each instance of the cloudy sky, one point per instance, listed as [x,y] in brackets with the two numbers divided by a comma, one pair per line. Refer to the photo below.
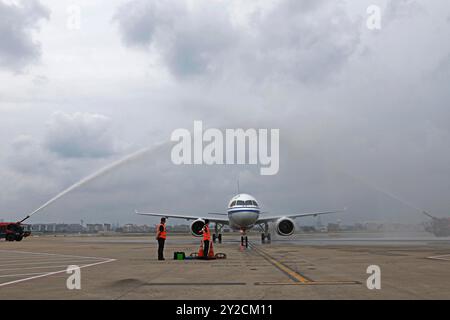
[84,83]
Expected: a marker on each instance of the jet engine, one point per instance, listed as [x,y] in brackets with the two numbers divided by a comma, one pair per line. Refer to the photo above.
[285,226]
[196,227]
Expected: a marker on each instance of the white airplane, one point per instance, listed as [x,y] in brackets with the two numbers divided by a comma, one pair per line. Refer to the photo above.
[243,214]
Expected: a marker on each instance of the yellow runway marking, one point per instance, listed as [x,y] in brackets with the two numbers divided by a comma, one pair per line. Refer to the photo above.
[309,283]
[291,273]
[298,279]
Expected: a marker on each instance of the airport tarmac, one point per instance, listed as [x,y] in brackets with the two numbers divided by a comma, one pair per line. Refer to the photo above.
[303,267]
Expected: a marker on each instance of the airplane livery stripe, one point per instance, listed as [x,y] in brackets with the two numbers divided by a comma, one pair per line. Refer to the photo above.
[243,210]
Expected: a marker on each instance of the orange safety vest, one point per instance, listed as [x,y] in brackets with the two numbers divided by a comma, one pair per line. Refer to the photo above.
[162,234]
[206,233]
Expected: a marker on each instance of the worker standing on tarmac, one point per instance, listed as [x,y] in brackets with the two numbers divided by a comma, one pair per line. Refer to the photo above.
[206,239]
[161,235]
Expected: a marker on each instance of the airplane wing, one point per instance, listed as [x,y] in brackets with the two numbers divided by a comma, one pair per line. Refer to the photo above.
[222,220]
[268,218]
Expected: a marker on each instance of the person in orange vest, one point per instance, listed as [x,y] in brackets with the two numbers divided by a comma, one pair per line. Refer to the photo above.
[206,239]
[161,235]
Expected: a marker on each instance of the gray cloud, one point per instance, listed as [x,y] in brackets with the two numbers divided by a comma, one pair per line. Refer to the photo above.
[402,9]
[192,41]
[80,135]
[28,156]
[18,49]
[305,41]
[141,20]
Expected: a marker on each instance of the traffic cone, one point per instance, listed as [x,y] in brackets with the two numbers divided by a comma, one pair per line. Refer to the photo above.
[211,251]
[200,250]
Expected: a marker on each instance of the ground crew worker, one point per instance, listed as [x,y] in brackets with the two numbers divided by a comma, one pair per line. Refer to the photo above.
[161,235]
[206,239]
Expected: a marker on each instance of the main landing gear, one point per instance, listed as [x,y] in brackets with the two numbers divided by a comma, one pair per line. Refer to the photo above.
[217,235]
[265,237]
[244,241]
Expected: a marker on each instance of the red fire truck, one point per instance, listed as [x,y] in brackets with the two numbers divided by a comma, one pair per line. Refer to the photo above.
[13,231]
[440,227]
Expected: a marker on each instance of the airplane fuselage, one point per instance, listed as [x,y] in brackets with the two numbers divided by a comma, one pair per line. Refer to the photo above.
[243,212]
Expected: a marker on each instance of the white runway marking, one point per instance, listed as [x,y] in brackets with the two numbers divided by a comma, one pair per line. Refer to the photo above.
[47,254]
[42,267]
[20,275]
[63,260]
[445,257]
[15,260]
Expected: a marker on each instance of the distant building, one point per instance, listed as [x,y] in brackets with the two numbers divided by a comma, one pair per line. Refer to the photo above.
[333,227]
[60,228]
[373,226]
[75,227]
[36,227]
[180,228]
[94,228]
[132,228]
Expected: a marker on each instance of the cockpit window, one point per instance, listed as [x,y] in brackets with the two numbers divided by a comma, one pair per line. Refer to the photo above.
[254,203]
[240,203]
[233,204]
[249,203]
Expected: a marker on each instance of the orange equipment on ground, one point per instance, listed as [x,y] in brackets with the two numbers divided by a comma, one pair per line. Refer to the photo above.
[201,252]
[211,251]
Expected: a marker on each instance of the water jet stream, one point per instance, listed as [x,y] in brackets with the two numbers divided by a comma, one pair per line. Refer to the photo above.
[91,177]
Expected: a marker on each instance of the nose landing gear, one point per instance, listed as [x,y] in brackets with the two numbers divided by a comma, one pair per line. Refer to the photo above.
[244,241]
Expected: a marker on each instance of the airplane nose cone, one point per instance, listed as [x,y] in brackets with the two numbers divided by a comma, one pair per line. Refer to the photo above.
[244,218]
